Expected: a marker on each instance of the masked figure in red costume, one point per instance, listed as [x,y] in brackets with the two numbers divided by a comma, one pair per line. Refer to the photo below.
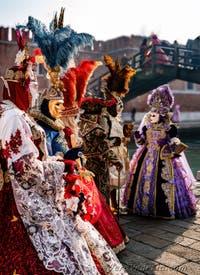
[75,82]
[36,235]
[160,56]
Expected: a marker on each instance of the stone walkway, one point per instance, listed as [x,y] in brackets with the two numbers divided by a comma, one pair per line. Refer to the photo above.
[162,247]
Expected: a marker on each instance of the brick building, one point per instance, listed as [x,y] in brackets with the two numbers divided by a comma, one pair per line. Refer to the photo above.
[186,94]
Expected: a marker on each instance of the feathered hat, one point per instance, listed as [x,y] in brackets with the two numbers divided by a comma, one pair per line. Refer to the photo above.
[92,105]
[161,100]
[18,78]
[58,44]
[22,59]
[75,81]
[119,77]
[23,49]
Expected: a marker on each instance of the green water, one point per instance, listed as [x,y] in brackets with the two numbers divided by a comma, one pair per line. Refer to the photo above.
[190,136]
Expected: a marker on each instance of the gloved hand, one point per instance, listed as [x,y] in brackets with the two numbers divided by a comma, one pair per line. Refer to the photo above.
[116,141]
[137,135]
[118,165]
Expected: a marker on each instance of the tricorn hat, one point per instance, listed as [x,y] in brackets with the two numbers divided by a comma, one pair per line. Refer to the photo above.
[92,105]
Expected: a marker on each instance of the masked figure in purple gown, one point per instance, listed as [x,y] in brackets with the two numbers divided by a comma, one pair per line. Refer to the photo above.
[159,184]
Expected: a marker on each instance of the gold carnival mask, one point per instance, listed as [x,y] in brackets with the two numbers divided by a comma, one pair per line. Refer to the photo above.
[56,107]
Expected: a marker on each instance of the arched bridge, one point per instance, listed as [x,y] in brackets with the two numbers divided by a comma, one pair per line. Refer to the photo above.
[182,63]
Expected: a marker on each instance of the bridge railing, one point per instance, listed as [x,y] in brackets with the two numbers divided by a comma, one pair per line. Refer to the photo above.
[177,57]
[168,56]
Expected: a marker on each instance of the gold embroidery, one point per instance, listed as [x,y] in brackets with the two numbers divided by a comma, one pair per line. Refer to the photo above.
[167,170]
[152,138]
[56,125]
[169,193]
[146,186]
[14,219]
[6,177]
[63,145]
[145,201]
[149,169]
[14,272]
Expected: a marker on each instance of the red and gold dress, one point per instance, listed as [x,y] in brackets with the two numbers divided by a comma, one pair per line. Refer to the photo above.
[93,208]
[37,236]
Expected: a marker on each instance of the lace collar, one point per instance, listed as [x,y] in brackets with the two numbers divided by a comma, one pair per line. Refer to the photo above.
[56,125]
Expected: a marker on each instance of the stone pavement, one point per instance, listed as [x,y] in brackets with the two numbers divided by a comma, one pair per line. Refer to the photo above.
[162,247]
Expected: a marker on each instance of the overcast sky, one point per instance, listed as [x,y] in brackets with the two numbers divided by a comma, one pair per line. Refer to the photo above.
[107,19]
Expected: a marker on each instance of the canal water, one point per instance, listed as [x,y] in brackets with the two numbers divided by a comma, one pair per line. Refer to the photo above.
[190,136]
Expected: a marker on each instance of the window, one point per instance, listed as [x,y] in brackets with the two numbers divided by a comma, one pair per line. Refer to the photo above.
[190,86]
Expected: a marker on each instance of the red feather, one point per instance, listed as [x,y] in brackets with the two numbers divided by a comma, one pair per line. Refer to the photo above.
[25,35]
[21,39]
[75,82]
[69,92]
[84,71]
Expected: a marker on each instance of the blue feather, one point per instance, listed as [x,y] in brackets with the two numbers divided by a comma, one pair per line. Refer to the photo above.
[60,45]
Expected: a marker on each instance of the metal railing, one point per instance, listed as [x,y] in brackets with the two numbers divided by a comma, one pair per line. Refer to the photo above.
[176,57]
[167,56]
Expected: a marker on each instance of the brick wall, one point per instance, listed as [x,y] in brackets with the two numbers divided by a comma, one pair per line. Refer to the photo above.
[123,47]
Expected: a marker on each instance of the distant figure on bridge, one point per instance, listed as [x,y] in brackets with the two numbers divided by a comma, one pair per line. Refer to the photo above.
[175,44]
[156,53]
[175,52]
[176,116]
[143,51]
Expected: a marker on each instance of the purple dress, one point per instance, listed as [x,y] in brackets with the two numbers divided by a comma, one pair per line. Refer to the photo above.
[159,185]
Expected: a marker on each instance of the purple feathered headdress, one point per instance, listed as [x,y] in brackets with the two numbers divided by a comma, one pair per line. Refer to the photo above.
[161,100]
